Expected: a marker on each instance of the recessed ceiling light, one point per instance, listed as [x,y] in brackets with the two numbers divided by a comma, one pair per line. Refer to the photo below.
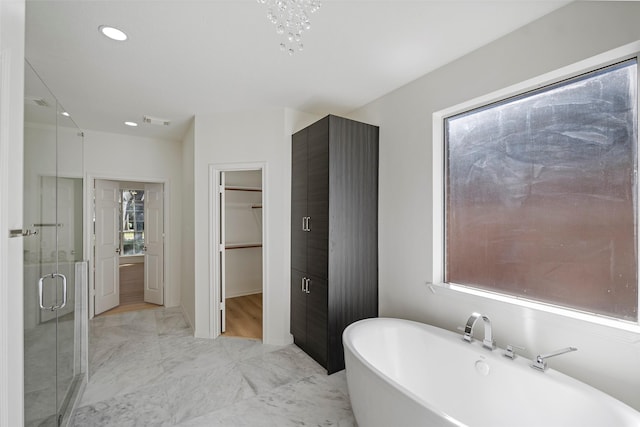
[132,124]
[112,33]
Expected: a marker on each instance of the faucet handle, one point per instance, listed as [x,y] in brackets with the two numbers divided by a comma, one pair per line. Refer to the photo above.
[541,364]
[490,344]
[510,351]
[466,333]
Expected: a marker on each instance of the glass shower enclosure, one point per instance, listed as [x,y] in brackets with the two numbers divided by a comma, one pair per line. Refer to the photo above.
[54,273]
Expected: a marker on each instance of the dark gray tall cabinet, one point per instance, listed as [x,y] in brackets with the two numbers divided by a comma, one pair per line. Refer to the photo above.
[334,234]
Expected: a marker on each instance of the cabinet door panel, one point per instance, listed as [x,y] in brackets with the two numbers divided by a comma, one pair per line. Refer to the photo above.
[299,181]
[318,199]
[317,319]
[298,326]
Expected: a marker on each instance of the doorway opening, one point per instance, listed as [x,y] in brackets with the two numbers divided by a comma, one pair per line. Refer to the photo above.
[240,260]
[129,246]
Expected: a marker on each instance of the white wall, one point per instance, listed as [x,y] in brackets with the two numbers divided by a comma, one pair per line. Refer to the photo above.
[608,358]
[125,158]
[248,137]
[12,18]
[187,284]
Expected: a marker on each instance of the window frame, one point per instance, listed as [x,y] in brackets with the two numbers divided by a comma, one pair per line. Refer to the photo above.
[439,154]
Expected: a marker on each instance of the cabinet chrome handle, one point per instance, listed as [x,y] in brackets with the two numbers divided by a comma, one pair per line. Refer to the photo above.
[308,226]
[304,226]
[64,291]
[305,285]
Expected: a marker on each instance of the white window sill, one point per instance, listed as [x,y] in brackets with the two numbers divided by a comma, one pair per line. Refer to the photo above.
[623,325]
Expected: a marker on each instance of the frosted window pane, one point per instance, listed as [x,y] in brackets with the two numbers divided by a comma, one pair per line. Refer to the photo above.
[541,194]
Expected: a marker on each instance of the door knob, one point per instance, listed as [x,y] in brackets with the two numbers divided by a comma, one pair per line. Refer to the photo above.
[117,250]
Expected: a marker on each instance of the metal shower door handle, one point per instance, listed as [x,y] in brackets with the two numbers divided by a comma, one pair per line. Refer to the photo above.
[64,291]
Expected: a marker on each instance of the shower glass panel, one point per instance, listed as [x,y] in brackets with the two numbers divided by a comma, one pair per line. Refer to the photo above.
[53,192]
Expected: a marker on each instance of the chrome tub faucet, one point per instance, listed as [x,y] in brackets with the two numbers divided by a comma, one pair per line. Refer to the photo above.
[488,341]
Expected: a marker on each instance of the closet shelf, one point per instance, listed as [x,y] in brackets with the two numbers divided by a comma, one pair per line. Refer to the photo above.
[242,245]
[240,188]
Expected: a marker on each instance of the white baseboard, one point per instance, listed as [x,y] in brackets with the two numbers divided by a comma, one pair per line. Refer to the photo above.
[242,294]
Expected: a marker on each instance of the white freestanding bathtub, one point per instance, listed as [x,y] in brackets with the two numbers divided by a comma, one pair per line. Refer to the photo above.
[403,373]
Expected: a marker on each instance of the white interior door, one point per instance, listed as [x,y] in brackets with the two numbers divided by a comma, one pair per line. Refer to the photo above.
[153,244]
[107,252]
[222,243]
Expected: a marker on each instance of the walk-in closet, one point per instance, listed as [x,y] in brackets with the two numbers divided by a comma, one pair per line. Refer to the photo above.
[242,279]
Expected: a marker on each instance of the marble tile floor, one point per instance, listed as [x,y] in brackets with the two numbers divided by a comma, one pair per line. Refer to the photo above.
[48,359]
[146,369]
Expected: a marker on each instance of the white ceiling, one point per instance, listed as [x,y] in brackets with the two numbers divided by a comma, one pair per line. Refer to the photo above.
[186,57]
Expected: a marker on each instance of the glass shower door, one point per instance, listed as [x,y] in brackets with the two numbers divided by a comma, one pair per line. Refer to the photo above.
[52,245]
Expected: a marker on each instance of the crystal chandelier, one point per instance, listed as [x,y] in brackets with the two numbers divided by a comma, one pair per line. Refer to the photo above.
[291,18]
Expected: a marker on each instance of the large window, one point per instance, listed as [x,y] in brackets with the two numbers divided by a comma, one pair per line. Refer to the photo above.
[541,194]
[132,227]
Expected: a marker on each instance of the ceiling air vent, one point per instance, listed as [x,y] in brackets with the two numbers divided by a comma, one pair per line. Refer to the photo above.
[156,121]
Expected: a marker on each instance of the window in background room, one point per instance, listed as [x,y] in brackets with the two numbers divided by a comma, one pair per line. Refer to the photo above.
[541,194]
[132,230]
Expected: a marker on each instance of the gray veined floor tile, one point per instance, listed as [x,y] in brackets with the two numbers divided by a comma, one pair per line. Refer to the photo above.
[41,403]
[184,354]
[168,312]
[143,320]
[146,348]
[144,407]
[126,379]
[246,348]
[274,369]
[122,367]
[308,402]
[172,324]
[146,368]
[112,336]
[207,391]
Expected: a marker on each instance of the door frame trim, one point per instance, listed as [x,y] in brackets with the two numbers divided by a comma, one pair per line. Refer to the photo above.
[214,246]
[89,212]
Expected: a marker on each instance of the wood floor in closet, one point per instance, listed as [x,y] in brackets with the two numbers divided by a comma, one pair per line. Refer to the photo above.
[131,283]
[244,316]
[131,290]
